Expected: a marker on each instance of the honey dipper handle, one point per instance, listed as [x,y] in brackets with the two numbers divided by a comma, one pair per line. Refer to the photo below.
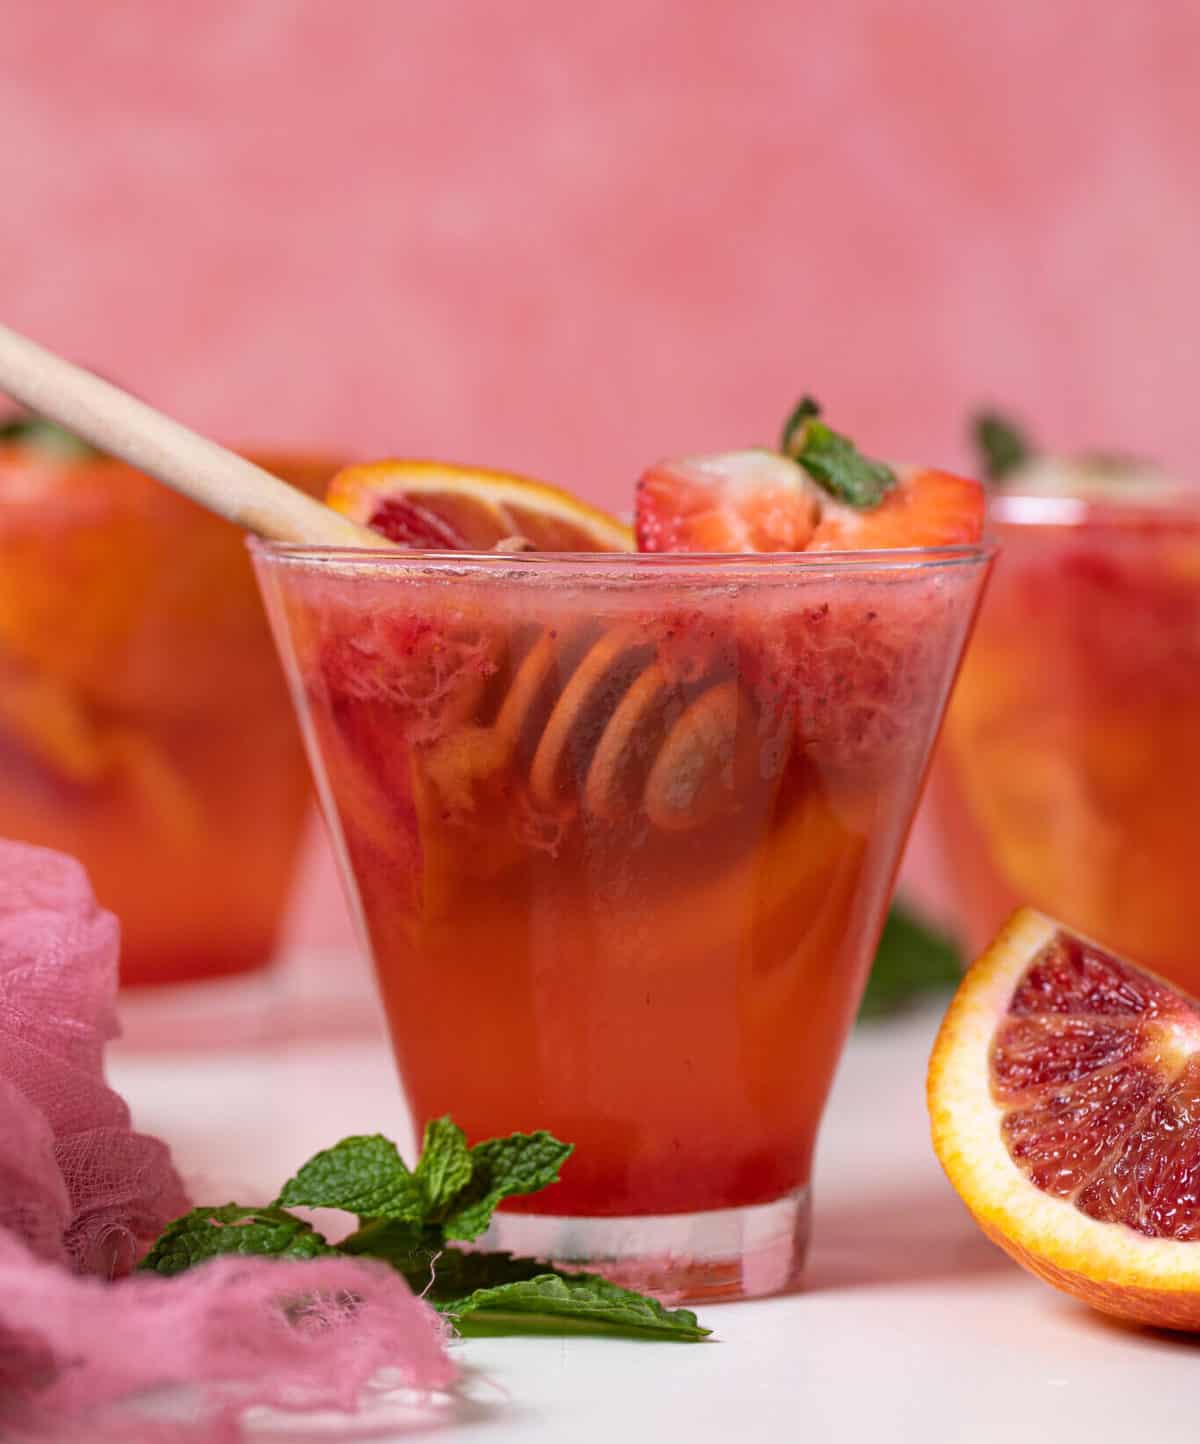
[123,426]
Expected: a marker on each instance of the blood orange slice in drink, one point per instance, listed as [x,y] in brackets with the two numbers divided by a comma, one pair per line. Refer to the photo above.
[440,507]
[1064,1094]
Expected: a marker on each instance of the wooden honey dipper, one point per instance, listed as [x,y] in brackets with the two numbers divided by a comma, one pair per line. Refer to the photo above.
[620,721]
[123,426]
[623,732]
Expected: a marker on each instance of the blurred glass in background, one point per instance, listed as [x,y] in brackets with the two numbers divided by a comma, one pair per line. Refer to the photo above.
[144,724]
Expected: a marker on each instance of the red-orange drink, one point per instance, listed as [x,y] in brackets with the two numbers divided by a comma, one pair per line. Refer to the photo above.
[1067,778]
[622,830]
[144,724]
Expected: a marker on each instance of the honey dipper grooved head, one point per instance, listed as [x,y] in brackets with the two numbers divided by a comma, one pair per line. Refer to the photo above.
[693,774]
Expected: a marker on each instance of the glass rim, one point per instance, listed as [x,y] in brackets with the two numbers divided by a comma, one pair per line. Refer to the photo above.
[352,561]
[1031,510]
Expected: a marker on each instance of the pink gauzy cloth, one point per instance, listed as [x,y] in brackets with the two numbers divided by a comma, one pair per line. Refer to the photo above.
[81,1194]
[77,1184]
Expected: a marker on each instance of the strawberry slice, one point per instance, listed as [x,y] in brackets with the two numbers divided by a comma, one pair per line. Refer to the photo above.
[925,508]
[742,501]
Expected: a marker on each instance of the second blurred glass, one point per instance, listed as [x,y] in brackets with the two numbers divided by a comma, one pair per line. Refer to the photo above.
[144,724]
[1068,775]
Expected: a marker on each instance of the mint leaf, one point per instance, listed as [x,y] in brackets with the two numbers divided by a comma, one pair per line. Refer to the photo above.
[501,1167]
[445,1166]
[206,1233]
[793,428]
[833,460]
[363,1175]
[913,958]
[842,470]
[459,1272]
[401,1242]
[46,437]
[553,1303]
[1003,446]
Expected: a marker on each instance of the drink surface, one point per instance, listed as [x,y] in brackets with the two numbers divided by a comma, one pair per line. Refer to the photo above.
[144,724]
[622,839]
[1068,775]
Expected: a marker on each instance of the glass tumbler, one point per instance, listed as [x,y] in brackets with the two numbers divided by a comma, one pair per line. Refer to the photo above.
[1068,775]
[620,832]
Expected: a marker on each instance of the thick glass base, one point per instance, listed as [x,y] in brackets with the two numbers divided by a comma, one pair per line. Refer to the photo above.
[727,1253]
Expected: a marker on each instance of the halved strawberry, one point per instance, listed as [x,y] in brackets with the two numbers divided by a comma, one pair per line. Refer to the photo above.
[742,501]
[817,493]
[924,509]
[757,501]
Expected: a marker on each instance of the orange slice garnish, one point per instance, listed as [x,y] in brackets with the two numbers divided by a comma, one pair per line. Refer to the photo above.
[1064,1094]
[438,506]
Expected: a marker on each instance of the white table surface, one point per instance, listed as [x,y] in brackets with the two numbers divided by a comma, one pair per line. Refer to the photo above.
[911,1327]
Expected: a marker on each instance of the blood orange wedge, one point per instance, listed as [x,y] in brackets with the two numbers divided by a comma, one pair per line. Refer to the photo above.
[1064,1094]
[441,507]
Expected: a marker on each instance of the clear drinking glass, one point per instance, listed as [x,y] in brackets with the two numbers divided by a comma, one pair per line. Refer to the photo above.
[145,727]
[620,832]
[1067,776]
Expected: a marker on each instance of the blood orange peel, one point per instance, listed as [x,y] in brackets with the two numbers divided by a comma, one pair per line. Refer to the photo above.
[443,507]
[1064,1098]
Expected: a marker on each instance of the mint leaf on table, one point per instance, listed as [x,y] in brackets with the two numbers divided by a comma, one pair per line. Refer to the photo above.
[553,1303]
[407,1245]
[913,958]
[406,1218]
[207,1233]
[363,1175]
[445,1166]
[500,1168]
[458,1272]
[832,460]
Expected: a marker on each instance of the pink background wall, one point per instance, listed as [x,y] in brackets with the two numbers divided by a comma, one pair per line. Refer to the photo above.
[568,237]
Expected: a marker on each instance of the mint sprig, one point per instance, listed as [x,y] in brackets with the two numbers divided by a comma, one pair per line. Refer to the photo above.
[363,1175]
[1002,445]
[446,1165]
[555,1303]
[500,1168]
[409,1218]
[833,460]
[45,437]
[913,958]
[207,1233]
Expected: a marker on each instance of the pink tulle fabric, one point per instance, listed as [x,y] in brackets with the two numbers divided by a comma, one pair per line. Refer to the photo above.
[82,1346]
